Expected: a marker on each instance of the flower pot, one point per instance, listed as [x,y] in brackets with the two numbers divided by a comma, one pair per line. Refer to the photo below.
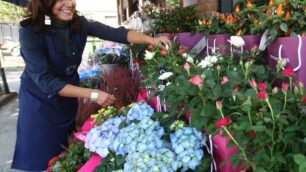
[222,153]
[188,39]
[219,43]
[251,41]
[294,50]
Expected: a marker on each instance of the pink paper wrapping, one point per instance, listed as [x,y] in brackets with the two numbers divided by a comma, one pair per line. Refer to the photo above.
[221,153]
[88,124]
[143,96]
[219,42]
[292,48]
[91,164]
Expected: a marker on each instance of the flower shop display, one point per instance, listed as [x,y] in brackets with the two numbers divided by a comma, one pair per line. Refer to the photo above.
[237,96]
[103,114]
[136,142]
[71,160]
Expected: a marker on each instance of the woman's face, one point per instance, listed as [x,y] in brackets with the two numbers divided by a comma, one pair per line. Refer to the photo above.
[63,9]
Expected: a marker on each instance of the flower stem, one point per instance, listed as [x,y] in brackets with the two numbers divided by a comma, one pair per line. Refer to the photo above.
[273,129]
[290,84]
[250,120]
[270,107]
[285,101]
[233,139]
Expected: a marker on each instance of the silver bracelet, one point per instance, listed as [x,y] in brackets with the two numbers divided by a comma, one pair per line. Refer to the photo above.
[94,95]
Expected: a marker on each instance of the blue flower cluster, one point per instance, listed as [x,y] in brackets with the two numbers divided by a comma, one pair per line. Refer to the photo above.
[144,136]
[161,160]
[90,73]
[99,138]
[187,143]
[139,112]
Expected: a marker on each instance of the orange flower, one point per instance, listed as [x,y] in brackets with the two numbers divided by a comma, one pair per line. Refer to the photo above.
[280,9]
[223,16]
[271,2]
[237,9]
[287,15]
[249,4]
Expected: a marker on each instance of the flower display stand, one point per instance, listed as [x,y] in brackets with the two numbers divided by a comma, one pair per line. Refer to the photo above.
[293,50]
[219,43]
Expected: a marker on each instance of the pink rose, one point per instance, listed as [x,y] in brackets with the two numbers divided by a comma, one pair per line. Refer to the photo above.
[163,52]
[196,80]
[223,122]
[224,80]
[284,87]
[253,83]
[262,86]
[288,72]
[186,66]
[262,95]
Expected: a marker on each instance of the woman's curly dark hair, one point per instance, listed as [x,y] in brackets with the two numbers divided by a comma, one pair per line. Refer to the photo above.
[38,9]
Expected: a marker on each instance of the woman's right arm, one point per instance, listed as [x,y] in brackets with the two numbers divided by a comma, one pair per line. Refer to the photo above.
[37,67]
[21,3]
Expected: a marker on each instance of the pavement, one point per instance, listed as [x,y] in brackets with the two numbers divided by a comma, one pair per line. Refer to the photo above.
[13,67]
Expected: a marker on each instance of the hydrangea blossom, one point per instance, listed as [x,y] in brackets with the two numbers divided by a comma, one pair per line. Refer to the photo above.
[139,111]
[99,138]
[161,160]
[144,136]
[187,143]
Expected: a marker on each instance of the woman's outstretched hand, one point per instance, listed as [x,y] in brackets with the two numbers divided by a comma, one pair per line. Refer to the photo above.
[105,99]
[161,41]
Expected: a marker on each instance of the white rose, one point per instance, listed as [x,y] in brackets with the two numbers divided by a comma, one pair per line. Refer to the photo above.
[149,55]
[237,41]
[165,75]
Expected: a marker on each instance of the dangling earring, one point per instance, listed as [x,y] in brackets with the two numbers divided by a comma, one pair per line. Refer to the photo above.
[47,20]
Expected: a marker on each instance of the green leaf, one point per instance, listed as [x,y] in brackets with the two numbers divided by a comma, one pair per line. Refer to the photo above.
[259,128]
[246,106]
[299,159]
[284,27]
[293,128]
[302,167]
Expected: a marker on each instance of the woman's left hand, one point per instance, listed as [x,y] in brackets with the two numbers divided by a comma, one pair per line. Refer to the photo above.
[161,41]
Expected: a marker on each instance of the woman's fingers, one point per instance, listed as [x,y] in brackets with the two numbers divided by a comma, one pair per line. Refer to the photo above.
[105,99]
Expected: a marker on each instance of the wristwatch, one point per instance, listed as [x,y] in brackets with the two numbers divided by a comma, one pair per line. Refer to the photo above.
[94,95]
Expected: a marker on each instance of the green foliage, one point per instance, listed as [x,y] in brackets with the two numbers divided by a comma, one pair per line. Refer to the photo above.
[175,20]
[111,163]
[10,12]
[72,159]
[268,132]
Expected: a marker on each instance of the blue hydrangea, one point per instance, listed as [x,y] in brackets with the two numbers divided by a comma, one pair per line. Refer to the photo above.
[144,136]
[100,137]
[160,160]
[187,143]
[139,111]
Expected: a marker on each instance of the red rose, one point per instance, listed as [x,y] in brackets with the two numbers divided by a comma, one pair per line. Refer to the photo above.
[150,46]
[251,134]
[182,50]
[305,99]
[288,72]
[163,52]
[262,86]
[223,122]
[262,95]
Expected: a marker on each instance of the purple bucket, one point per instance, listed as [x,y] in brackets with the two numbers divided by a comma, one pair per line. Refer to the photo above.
[251,41]
[188,39]
[219,42]
[294,50]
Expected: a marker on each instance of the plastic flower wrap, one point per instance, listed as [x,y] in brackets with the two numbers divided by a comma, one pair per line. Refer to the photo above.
[187,143]
[99,138]
[161,160]
[139,112]
[144,136]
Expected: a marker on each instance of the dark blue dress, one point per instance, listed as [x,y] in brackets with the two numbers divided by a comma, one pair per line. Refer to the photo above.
[45,118]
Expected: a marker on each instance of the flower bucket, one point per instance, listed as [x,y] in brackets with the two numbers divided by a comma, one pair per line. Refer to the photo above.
[222,153]
[219,43]
[189,39]
[155,102]
[251,41]
[293,49]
